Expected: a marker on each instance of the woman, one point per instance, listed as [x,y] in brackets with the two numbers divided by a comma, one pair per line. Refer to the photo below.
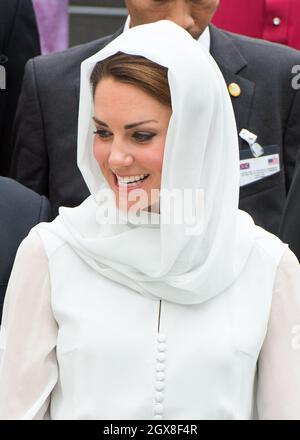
[127,315]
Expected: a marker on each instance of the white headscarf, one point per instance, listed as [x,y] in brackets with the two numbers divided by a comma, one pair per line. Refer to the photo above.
[201,151]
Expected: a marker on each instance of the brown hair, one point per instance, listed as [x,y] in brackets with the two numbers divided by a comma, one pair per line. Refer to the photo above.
[135,70]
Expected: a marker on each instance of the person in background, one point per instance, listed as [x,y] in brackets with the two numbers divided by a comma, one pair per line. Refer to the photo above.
[259,80]
[53,24]
[19,41]
[273,20]
[20,210]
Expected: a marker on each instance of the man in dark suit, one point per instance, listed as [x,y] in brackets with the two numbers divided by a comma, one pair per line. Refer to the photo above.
[19,41]
[259,78]
[20,210]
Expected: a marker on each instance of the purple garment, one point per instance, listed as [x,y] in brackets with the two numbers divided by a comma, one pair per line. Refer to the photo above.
[53,24]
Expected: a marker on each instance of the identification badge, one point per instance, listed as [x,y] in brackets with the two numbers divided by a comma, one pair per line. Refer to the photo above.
[253,169]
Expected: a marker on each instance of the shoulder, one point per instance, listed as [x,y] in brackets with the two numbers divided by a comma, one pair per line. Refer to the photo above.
[65,232]
[29,280]
[20,210]
[63,62]
[272,259]
[26,254]
[52,236]
[258,51]
[286,289]
[289,263]
[269,247]
[31,249]
[20,205]
[32,256]
[55,75]
[258,46]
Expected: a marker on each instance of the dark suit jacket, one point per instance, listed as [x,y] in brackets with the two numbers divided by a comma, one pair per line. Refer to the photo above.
[290,224]
[20,210]
[19,41]
[45,155]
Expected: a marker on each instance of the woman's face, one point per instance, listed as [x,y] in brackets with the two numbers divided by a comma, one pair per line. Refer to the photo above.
[131,129]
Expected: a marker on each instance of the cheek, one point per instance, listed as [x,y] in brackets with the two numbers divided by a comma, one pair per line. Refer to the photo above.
[153,160]
[99,152]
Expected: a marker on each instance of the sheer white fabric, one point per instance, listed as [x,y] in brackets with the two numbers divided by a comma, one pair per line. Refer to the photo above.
[28,366]
[177,261]
[279,364]
[204,38]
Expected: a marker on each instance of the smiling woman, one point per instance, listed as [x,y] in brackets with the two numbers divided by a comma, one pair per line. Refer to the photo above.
[132,103]
[125,321]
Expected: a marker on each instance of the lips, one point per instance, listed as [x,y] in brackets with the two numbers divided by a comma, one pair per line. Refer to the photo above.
[130,185]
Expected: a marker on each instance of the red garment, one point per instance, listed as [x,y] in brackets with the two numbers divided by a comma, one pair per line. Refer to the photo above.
[273,20]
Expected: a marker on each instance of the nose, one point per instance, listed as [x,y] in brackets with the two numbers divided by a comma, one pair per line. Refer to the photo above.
[119,156]
[181,14]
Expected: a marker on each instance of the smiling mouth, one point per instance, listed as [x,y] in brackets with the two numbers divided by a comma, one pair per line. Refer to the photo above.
[130,184]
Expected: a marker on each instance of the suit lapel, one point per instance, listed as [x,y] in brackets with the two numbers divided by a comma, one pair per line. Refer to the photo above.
[231,63]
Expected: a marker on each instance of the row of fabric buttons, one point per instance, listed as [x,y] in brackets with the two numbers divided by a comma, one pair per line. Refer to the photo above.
[160,376]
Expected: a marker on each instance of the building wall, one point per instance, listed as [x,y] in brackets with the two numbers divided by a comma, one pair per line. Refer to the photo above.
[92,19]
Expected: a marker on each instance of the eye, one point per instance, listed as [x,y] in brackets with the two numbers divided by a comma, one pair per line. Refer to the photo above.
[103,134]
[160,1]
[143,136]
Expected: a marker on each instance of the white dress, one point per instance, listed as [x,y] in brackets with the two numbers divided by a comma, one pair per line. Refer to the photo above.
[78,353]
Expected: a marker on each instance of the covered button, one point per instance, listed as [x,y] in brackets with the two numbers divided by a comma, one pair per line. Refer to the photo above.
[159,385]
[162,346]
[161,357]
[161,337]
[160,376]
[159,397]
[158,408]
[160,367]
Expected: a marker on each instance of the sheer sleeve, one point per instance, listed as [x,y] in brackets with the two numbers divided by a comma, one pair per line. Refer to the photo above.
[278,395]
[28,365]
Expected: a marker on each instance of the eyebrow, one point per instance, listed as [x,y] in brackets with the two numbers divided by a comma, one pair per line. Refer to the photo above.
[128,126]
